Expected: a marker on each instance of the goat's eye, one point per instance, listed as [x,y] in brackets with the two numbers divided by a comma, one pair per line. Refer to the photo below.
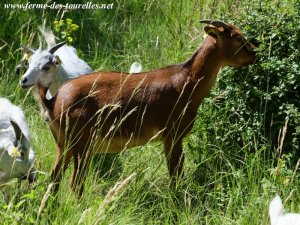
[46,67]
[239,39]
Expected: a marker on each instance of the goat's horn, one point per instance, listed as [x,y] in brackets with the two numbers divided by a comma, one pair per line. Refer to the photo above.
[219,23]
[205,21]
[17,129]
[40,43]
[57,46]
[216,23]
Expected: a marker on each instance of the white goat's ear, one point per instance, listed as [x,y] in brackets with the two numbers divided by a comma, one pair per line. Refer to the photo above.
[27,50]
[17,129]
[56,60]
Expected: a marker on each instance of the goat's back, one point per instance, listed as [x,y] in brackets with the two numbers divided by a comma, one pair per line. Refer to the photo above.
[120,106]
[73,65]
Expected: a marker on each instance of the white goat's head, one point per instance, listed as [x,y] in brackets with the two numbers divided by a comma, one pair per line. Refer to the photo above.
[50,40]
[42,66]
[16,155]
[13,140]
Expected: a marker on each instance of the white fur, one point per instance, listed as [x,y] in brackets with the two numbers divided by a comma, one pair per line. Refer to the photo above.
[277,215]
[14,167]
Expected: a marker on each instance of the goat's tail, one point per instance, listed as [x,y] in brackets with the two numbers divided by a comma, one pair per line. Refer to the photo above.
[135,68]
[48,104]
[275,209]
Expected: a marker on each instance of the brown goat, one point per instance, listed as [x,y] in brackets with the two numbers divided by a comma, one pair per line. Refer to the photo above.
[107,112]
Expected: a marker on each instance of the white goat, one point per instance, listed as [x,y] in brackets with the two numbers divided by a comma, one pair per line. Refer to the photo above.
[16,154]
[71,65]
[277,215]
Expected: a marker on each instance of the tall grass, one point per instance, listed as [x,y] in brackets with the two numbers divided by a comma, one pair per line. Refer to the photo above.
[221,185]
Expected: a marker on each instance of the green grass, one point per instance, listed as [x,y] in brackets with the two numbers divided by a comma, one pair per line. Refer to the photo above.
[223,183]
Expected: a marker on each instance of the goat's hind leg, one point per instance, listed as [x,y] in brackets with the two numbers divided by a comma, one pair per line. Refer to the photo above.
[175,157]
[74,174]
[61,164]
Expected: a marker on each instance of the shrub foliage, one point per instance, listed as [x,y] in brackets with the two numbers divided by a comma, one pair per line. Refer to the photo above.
[259,103]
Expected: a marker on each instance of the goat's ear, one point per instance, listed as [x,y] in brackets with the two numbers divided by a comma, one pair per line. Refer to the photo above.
[213,31]
[56,60]
[27,50]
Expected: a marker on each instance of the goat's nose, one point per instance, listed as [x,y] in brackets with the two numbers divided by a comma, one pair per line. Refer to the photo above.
[24,80]
[17,71]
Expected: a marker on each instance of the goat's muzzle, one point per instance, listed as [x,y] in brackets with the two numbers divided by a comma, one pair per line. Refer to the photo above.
[23,82]
[18,70]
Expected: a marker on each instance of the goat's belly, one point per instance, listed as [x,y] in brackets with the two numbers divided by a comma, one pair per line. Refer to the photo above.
[119,144]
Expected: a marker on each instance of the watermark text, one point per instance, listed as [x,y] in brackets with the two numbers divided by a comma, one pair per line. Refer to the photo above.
[57,6]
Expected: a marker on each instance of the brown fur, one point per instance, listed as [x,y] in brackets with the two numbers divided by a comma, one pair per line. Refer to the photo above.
[107,112]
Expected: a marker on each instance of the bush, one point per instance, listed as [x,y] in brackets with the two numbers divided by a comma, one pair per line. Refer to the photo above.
[251,105]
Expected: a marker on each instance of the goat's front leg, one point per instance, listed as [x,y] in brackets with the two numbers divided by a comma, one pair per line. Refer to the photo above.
[62,161]
[175,157]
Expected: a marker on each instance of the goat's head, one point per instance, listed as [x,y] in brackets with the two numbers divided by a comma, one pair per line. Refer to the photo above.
[16,151]
[235,49]
[14,141]
[42,66]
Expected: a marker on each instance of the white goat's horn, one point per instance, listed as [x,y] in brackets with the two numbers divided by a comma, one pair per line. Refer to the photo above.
[57,46]
[17,129]
[40,43]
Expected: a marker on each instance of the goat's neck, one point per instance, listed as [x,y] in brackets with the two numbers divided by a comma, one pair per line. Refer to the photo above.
[40,93]
[63,75]
[59,78]
[204,66]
